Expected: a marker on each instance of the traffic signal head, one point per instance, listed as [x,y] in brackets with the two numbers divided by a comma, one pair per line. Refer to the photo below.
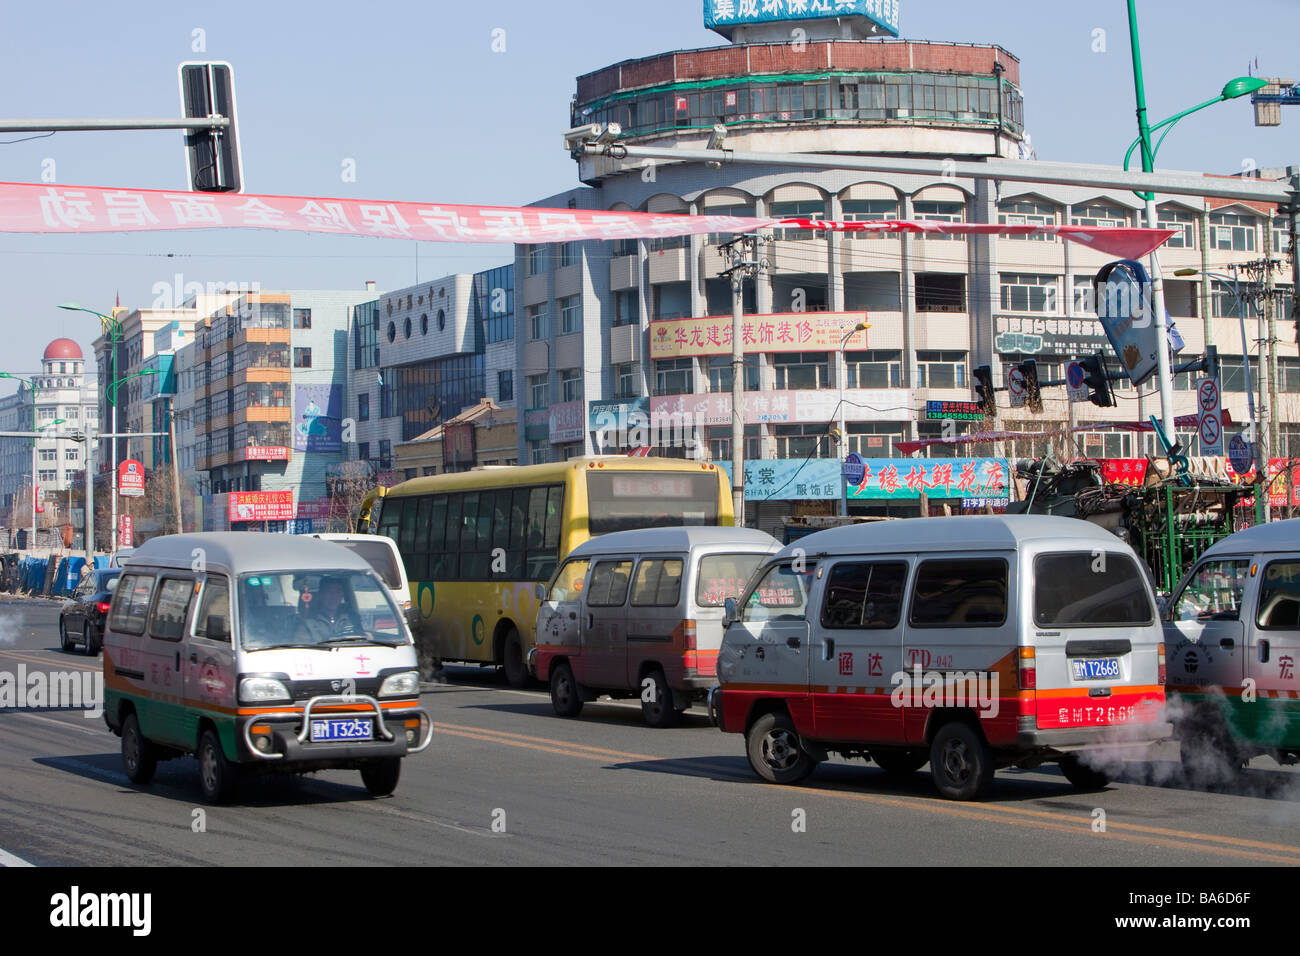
[208,89]
[984,390]
[1033,395]
[1094,376]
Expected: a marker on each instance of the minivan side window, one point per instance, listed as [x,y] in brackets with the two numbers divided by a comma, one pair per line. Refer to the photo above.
[864,595]
[131,603]
[568,583]
[609,583]
[1279,596]
[215,603]
[781,595]
[962,592]
[168,621]
[658,583]
[1214,591]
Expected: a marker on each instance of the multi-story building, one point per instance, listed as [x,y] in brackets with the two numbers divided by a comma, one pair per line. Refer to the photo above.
[421,355]
[63,403]
[631,324]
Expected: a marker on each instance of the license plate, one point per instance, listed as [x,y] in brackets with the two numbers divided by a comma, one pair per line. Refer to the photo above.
[1094,668]
[353,728]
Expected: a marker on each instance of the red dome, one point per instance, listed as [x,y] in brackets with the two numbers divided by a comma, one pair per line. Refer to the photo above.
[62,349]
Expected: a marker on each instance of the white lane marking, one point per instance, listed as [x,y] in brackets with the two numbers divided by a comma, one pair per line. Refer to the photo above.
[64,724]
[421,818]
[8,859]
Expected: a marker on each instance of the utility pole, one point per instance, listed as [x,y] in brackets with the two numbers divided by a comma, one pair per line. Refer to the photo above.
[175,465]
[742,254]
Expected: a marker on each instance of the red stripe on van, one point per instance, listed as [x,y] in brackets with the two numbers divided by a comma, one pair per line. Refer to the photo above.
[1072,707]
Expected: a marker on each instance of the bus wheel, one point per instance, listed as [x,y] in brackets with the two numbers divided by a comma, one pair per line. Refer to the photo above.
[775,751]
[566,697]
[381,776]
[960,762]
[512,655]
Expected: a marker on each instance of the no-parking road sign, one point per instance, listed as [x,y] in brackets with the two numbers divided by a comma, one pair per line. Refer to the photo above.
[1016,386]
[1209,424]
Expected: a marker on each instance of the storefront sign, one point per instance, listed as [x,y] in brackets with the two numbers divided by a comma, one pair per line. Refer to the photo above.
[790,479]
[125,531]
[261,506]
[566,421]
[130,479]
[729,13]
[907,478]
[956,411]
[812,405]
[781,332]
[266,453]
[1033,335]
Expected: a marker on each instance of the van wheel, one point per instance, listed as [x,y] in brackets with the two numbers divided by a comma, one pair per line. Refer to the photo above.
[64,642]
[899,763]
[775,751]
[1209,755]
[88,635]
[1083,776]
[139,758]
[216,775]
[657,700]
[566,697]
[381,776]
[960,762]
[512,655]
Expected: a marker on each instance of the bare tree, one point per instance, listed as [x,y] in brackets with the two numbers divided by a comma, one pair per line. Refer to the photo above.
[346,495]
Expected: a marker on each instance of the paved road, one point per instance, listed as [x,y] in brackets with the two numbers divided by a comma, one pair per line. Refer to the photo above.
[506,782]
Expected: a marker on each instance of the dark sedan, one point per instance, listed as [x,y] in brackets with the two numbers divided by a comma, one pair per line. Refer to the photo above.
[82,619]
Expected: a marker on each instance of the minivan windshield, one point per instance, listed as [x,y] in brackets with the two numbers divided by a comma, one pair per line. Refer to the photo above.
[316,609]
[724,576]
[1089,587]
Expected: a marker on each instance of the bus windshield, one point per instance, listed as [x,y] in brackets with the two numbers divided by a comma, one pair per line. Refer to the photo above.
[623,501]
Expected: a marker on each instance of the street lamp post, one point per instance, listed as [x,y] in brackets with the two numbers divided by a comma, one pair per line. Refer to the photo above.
[1234,88]
[844,434]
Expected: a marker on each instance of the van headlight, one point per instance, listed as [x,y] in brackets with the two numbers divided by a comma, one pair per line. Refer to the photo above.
[259,690]
[404,684]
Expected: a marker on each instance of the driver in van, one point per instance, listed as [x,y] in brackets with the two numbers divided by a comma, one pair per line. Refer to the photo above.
[328,614]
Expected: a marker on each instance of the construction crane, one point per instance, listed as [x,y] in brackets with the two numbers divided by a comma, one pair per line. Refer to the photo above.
[1269,101]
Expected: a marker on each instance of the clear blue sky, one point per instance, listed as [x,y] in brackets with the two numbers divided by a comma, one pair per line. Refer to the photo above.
[414,93]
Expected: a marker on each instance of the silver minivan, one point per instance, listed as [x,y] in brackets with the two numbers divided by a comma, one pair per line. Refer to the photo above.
[970,643]
[639,613]
[259,653]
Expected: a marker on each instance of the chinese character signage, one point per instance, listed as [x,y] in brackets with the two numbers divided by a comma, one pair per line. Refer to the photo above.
[1124,471]
[782,332]
[318,414]
[125,530]
[266,453]
[566,421]
[1032,335]
[811,405]
[618,416]
[957,411]
[903,478]
[790,479]
[730,13]
[130,479]
[261,506]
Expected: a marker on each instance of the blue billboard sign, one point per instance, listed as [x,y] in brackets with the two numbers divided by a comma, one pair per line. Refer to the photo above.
[731,13]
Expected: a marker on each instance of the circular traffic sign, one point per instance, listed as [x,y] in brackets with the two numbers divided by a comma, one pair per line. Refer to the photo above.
[1240,454]
[1210,430]
[1074,375]
[1016,381]
[1207,394]
[854,469]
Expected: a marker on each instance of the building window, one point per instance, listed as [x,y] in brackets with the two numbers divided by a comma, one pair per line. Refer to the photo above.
[535,260]
[537,390]
[570,314]
[940,292]
[1182,222]
[720,377]
[807,209]
[802,370]
[1281,235]
[939,212]
[505,386]
[302,318]
[1028,213]
[409,473]
[874,368]
[430,470]
[674,376]
[1107,217]
[363,407]
[51,474]
[302,358]
[1232,232]
[442,319]
[869,210]
[363,450]
[874,439]
[424,323]
[719,442]
[539,452]
[69,475]
[49,454]
[406,327]
[1030,293]
[626,309]
[70,454]
[570,385]
[627,380]
[538,327]
[567,253]
[941,369]
[810,440]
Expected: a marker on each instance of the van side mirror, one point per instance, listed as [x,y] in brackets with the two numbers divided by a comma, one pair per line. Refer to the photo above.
[729,612]
[216,630]
[540,590]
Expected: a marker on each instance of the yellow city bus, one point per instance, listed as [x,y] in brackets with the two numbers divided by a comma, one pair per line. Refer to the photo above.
[475,543]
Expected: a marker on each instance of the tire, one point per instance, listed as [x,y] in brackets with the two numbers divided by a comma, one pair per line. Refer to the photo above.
[381,776]
[139,758]
[512,659]
[1083,776]
[88,635]
[775,751]
[216,775]
[960,762]
[1209,755]
[658,711]
[65,643]
[566,695]
[899,763]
